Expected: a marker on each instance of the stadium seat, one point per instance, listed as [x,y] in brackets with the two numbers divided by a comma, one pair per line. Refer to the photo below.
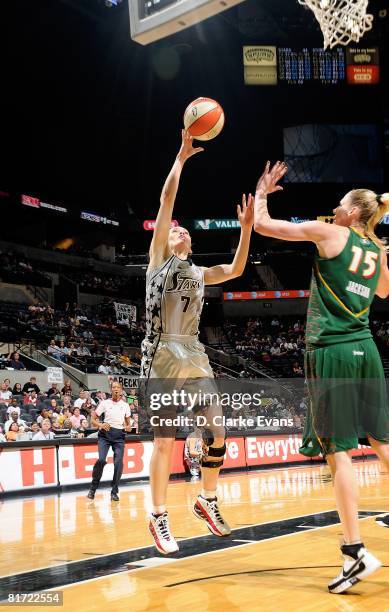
[33,413]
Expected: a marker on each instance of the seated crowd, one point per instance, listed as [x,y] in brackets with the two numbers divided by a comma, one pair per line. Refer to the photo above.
[88,338]
[26,413]
[278,343]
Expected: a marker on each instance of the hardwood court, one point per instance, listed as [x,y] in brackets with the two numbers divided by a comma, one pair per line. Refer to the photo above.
[281,554]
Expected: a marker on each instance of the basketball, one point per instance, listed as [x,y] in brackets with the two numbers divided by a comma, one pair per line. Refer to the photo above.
[204,119]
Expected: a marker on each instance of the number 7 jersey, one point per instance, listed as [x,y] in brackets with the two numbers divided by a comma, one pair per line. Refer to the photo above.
[174,298]
[342,290]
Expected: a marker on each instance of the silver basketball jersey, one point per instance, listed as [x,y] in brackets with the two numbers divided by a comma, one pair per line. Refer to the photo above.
[174,298]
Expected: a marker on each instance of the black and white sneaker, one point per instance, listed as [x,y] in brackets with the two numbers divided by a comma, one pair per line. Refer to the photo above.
[383,520]
[355,568]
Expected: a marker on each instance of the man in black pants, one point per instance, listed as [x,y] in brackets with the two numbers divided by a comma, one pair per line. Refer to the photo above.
[111,433]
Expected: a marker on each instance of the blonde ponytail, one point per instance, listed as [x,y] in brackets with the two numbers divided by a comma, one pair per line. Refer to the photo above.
[372,208]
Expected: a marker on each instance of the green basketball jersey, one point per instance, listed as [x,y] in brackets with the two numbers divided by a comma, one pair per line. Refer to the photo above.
[342,290]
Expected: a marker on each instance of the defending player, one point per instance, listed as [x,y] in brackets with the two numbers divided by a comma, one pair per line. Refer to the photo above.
[343,367]
[171,349]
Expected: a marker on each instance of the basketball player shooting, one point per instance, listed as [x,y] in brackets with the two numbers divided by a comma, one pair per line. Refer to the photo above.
[350,267]
[171,349]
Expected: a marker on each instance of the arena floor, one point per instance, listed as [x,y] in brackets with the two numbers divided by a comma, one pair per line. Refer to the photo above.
[282,552]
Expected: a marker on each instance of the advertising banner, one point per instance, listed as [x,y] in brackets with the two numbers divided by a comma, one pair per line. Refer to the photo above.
[28,468]
[266,295]
[33,468]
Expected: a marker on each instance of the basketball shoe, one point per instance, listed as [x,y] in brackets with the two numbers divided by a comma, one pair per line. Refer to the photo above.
[207,510]
[383,520]
[358,564]
[160,530]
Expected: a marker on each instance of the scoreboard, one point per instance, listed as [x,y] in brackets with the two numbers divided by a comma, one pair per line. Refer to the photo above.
[271,65]
[298,66]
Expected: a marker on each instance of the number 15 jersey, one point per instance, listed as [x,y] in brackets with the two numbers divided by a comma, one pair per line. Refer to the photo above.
[342,290]
[174,298]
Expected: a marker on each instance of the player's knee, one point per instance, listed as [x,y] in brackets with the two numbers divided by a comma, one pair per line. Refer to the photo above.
[214,457]
[163,445]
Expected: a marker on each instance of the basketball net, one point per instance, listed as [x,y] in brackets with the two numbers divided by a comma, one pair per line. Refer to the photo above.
[341,21]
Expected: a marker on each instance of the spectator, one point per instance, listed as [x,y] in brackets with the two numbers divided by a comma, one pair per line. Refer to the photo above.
[31,385]
[135,406]
[67,424]
[44,433]
[104,368]
[87,407]
[54,391]
[76,418]
[64,416]
[131,397]
[87,335]
[54,405]
[67,402]
[82,396]
[14,419]
[53,350]
[5,394]
[83,426]
[63,350]
[32,398]
[96,349]
[12,432]
[44,414]
[34,428]
[72,351]
[15,362]
[7,383]
[17,390]
[14,406]
[100,396]
[83,350]
[297,369]
[124,359]
[107,353]
[67,387]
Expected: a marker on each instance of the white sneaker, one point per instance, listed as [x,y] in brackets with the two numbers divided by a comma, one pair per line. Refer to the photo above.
[207,510]
[160,530]
[354,570]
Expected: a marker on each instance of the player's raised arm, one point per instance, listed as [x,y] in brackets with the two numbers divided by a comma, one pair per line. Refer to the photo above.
[168,196]
[224,272]
[314,231]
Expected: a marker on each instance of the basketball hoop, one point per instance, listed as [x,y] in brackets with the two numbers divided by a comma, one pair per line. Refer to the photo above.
[341,21]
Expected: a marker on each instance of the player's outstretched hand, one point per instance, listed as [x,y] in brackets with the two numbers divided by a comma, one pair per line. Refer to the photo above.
[246,211]
[187,149]
[268,182]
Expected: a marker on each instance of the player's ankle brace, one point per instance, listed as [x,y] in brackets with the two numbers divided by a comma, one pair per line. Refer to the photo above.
[214,452]
[351,549]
